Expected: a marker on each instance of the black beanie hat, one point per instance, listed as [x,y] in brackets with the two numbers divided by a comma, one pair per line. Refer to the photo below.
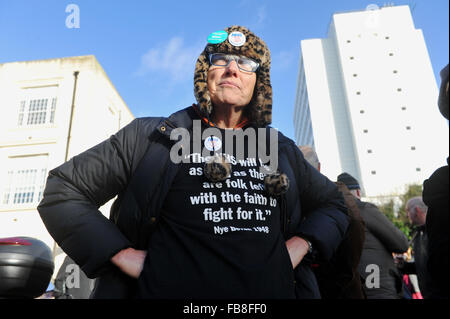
[348,180]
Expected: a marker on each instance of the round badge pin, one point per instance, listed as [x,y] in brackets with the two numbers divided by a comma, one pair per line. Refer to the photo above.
[213,143]
[217,37]
[236,38]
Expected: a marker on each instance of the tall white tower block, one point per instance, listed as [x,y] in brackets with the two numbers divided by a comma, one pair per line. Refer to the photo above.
[367,101]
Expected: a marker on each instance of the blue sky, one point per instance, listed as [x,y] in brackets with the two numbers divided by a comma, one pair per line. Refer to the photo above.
[149,48]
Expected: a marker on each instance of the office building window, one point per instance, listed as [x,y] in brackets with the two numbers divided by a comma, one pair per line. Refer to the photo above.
[413,148]
[408,128]
[366,131]
[373,172]
[53,110]
[369,151]
[21,113]
[403,108]
[361,111]
[38,106]
[37,111]
[24,180]
[7,189]
[417,169]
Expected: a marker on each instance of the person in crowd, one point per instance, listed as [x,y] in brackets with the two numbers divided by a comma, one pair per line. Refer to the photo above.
[201,212]
[71,282]
[339,278]
[381,276]
[416,210]
[435,195]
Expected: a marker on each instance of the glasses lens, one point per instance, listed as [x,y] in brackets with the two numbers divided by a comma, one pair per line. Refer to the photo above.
[247,64]
[219,59]
[244,63]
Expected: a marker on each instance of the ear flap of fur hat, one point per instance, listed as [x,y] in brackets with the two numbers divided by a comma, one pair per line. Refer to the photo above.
[217,168]
[259,111]
[276,184]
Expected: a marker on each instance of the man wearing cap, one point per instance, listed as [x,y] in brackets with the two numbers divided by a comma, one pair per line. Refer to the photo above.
[196,218]
[382,238]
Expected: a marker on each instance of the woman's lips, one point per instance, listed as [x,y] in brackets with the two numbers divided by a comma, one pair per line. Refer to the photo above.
[228,83]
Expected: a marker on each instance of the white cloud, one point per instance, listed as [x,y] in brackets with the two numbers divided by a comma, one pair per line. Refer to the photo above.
[283,60]
[261,15]
[171,58]
[257,13]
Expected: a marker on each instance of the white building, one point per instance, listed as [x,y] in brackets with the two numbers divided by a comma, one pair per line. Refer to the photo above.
[367,101]
[50,111]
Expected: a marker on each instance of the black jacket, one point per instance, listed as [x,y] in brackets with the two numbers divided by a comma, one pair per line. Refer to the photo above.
[419,265]
[436,196]
[382,239]
[76,189]
[339,278]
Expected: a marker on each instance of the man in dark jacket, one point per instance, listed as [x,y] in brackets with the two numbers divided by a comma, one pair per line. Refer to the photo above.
[339,278]
[71,282]
[196,218]
[435,195]
[377,267]
[416,210]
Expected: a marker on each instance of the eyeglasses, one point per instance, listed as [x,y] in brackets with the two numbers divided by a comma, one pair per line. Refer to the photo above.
[244,64]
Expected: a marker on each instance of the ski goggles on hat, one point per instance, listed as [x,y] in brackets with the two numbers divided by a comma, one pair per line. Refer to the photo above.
[244,64]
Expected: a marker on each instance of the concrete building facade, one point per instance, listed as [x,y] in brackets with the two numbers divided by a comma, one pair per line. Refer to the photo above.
[367,101]
[51,110]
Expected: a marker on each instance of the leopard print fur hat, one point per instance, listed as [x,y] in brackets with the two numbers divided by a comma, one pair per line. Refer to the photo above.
[259,111]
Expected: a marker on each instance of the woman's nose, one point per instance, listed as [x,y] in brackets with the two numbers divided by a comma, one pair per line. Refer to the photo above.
[232,67]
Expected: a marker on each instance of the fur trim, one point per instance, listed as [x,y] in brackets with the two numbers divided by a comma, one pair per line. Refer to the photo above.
[217,168]
[259,110]
[276,184]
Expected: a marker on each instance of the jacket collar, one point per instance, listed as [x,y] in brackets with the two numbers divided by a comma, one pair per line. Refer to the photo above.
[182,118]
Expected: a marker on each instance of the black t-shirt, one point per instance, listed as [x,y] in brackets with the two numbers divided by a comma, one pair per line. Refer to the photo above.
[218,240]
